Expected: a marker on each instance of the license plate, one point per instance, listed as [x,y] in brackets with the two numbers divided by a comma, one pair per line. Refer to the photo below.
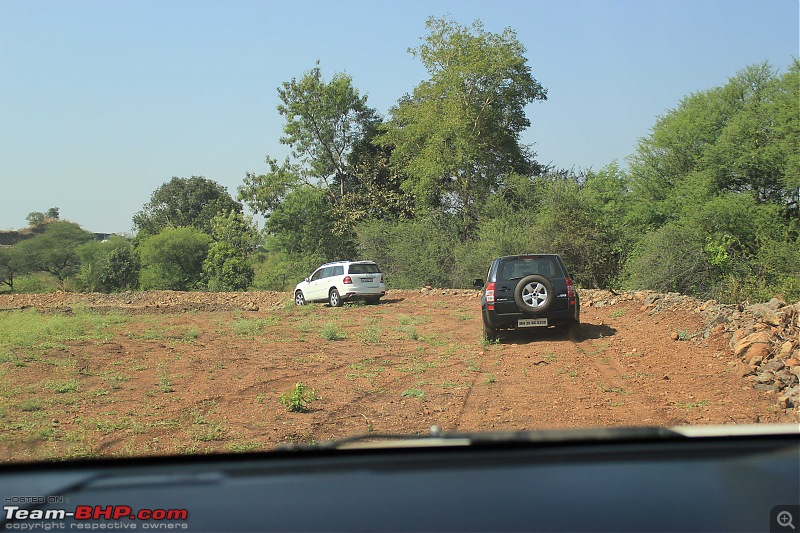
[367,280]
[531,322]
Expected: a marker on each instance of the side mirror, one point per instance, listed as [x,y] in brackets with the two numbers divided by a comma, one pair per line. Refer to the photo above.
[306,280]
[478,283]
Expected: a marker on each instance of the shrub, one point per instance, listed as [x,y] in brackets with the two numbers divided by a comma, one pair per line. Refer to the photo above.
[297,399]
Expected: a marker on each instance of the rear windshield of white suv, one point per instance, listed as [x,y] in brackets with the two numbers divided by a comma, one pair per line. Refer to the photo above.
[364,268]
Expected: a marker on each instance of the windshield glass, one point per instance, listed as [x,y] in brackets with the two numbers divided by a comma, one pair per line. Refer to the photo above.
[173,172]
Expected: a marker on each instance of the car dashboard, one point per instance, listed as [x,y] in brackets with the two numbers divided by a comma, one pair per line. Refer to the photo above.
[635,479]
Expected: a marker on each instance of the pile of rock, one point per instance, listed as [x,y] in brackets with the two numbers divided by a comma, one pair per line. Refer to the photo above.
[766,338]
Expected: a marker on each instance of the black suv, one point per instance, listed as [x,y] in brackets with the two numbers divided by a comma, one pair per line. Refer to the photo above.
[528,291]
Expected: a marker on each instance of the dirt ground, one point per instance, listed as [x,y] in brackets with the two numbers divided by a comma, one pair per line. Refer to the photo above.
[196,373]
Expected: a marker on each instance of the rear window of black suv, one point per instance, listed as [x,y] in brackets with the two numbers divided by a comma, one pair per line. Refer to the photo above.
[518,268]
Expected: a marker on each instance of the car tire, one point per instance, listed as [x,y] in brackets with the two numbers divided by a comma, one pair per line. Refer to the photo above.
[334,298]
[299,299]
[489,333]
[534,294]
[574,331]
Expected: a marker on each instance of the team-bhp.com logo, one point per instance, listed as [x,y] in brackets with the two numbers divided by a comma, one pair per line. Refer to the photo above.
[88,516]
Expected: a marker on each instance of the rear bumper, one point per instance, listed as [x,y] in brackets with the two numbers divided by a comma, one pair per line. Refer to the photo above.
[496,320]
[362,295]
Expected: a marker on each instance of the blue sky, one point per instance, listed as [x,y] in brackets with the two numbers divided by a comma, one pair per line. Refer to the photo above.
[103,101]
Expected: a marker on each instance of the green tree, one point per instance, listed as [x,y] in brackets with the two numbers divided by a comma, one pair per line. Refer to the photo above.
[226,269]
[412,253]
[121,270]
[325,120]
[458,133]
[12,263]
[184,202]
[37,218]
[55,250]
[237,230]
[173,259]
[303,225]
[107,266]
[741,137]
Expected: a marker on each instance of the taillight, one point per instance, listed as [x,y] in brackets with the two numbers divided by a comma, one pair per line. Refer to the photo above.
[489,292]
[347,280]
[570,291]
[381,281]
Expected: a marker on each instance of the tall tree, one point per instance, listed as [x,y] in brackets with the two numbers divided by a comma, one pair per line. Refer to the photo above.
[12,264]
[54,250]
[458,133]
[324,121]
[184,202]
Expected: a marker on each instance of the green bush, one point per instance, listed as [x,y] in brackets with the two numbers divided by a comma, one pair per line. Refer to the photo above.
[173,259]
[281,271]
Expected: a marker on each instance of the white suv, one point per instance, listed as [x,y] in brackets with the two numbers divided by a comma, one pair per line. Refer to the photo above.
[341,281]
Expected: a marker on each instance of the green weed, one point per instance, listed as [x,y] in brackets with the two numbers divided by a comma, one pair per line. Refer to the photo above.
[332,332]
[297,399]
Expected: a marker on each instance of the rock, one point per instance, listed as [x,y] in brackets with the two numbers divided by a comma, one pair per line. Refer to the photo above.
[766,388]
[786,350]
[758,350]
[766,313]
[674,336]
[755,361]
[785,402]
[791,362]
[743,370]
[765,377]
[786,378]
[706,305]
[759,337]
[773,366]
[776,303]
[650,300]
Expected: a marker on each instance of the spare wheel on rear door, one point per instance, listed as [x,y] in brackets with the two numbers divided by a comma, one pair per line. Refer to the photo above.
[534,294]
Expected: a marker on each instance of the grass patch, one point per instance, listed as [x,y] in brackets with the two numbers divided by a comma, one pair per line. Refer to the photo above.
[30,406]
[413,393]
[62,387]
[366,368]
[32,333]
[409,330]
[250,327]
[405,320]
[370,335]
[332,332]
[691,405]
[164,381]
